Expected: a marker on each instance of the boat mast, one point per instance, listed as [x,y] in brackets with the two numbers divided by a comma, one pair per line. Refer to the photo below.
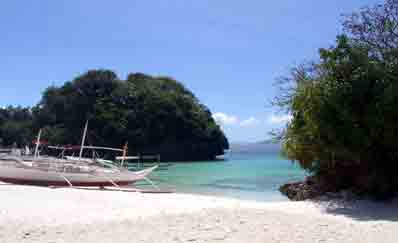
[124,153]
[37,144]
[83,140]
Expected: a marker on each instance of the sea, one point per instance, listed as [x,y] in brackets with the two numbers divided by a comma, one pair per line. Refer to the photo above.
[242,175]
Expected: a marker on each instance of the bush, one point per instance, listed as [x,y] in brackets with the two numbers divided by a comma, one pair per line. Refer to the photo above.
[345,109]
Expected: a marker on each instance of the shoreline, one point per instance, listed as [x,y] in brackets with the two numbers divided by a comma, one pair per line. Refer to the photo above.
[35,214]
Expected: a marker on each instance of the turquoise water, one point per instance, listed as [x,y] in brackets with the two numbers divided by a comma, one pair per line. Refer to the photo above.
[242,175]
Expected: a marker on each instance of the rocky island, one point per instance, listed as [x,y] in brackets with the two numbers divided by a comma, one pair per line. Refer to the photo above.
[156,115]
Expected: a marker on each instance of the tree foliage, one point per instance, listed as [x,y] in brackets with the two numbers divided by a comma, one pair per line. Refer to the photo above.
[15,125]
[375,26]
[154,114]
[345,107]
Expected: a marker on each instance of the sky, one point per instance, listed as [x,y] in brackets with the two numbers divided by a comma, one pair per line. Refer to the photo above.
[229,53]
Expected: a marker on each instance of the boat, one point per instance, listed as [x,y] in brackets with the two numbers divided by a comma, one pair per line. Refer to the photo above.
[60,172]
[68,171]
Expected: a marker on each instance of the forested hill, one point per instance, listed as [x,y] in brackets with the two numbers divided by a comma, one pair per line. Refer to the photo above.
[154,114]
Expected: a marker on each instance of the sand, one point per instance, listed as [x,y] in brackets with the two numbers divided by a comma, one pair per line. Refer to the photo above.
[34,214]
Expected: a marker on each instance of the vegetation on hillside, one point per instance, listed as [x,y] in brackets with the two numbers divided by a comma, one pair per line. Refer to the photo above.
[345,107]
[154,114]
[15,125]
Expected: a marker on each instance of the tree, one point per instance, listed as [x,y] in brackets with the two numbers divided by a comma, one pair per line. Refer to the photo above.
[376,27]
[154,114]
[15,126]
[345,108]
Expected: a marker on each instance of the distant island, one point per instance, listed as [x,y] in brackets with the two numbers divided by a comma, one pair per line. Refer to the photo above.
[155,115]
[255,147]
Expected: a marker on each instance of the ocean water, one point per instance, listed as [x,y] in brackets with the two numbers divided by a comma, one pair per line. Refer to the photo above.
[248,176]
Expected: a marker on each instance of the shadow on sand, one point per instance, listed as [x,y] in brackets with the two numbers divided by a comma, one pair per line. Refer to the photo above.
[362,210]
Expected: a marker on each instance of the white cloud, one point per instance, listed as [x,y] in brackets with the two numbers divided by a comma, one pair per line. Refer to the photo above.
[277,120]
[249,122]
[225,119]
[229,120]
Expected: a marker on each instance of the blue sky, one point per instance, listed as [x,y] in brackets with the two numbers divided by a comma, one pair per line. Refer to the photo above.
[227,52]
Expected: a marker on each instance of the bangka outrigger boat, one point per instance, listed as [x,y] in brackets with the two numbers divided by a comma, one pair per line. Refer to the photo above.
[61,172]
[69,171]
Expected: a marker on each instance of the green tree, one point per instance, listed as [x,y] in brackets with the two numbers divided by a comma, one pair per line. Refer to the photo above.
[16,126]
[345,108]
[154,114]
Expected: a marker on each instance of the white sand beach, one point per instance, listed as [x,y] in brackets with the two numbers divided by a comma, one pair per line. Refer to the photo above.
[34,214]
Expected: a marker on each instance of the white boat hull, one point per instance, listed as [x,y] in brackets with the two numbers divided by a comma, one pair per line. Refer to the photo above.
[38,177]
